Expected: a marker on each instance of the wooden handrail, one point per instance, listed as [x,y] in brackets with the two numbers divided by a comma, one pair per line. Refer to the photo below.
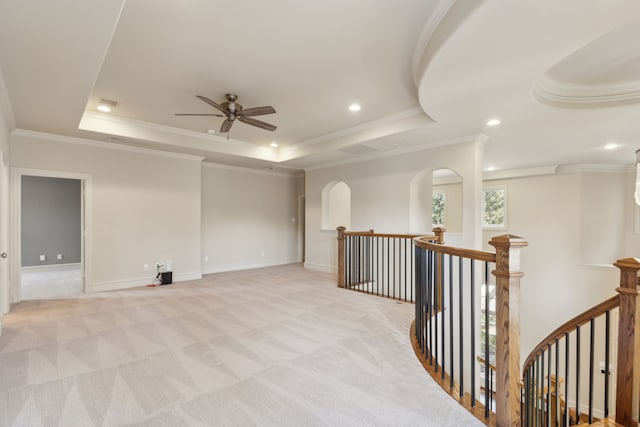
[570,325]
[372,234]
[424,243]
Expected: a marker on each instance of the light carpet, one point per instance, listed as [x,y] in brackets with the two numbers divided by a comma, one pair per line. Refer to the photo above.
[279,346]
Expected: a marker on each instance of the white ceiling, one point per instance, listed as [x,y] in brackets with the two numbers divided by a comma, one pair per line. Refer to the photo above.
[564,77]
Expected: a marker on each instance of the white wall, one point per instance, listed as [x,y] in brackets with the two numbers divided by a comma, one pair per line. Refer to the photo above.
[145,205]
[381,196]
[249,218]
[573,240]
[6,126]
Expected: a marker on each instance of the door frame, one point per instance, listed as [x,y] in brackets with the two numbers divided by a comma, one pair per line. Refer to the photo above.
[86,228]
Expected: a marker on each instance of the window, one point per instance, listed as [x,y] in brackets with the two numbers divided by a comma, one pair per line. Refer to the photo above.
[494,211]
[439,206]
[492,326]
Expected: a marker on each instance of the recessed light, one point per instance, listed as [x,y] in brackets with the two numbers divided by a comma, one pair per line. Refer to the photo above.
[274,145]
[106,105]
[354,107]
[611,146]
[493,122]
[491,168]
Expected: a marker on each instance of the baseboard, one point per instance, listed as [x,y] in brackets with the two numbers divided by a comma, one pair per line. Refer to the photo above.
[320,267]
[247,266]
[141,281]
[52,267]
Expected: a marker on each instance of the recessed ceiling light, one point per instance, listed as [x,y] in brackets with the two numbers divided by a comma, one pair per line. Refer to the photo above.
[493,122]
[354,107]
[106,105]
[611,146]
[491,168]
[274,145]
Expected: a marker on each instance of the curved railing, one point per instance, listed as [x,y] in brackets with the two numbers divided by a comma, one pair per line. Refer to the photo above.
[559,386]
[451,285]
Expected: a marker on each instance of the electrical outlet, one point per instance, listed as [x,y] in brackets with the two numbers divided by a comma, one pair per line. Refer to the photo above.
[43,257]
[145,267]
[263,253]
[59,256]
[206,258]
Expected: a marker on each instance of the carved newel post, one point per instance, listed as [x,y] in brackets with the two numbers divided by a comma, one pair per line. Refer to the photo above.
[627,375]
[341,238]
[508,274]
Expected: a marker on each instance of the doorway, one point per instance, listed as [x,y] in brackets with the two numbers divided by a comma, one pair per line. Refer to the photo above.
[49,234]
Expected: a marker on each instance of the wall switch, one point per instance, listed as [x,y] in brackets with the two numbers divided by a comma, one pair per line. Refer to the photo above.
[59,256]
[263,253]
[206,258]
[146,267]
[43,257]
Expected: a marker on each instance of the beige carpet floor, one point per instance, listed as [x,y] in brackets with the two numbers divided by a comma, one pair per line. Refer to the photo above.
[279,346]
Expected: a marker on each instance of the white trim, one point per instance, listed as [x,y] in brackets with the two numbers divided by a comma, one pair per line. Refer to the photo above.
[504,225]
[519,173]
[141,281]
[321,267]
[551,91]
[397,152]
[606,267]
[595,168]
[247,266]
[301,226]
[391,118]
[94,143]
[86,245]
[53,267]
[212,165]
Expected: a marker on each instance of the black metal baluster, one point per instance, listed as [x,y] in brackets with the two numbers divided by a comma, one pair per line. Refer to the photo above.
[451,367]
[577,375]
[486,338]
[606,364]
[388,265]
[442,320]
[435,302]
[461,324]
[566,379]
[591,351]
[429,304]
[557,386]
[548,400]
[406,256]
[473,334]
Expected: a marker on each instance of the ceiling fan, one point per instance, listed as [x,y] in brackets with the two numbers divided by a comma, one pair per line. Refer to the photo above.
[232,110]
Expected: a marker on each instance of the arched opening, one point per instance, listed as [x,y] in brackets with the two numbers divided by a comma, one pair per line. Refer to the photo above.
[336,205]
[436,200]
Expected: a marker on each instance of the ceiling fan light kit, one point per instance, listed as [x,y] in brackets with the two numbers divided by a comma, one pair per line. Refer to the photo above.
[232,110]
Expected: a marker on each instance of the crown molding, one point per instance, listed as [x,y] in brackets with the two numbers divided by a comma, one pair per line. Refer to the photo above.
[101,144]
[553,92]
[519,173]
[480,138]
[211,165]
[595,168]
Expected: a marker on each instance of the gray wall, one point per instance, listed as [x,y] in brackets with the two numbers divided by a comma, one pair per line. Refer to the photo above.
[51,220]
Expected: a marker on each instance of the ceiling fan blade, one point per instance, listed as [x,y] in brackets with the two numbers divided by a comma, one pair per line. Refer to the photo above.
[257,111]
[257,123]
[210,102]
[226,126]
[197,114]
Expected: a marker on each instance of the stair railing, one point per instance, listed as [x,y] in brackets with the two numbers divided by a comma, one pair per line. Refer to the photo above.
[564,357]
[449,283]
[379,263]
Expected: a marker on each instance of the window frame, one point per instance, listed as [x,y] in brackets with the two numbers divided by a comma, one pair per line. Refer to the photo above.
[495,227]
